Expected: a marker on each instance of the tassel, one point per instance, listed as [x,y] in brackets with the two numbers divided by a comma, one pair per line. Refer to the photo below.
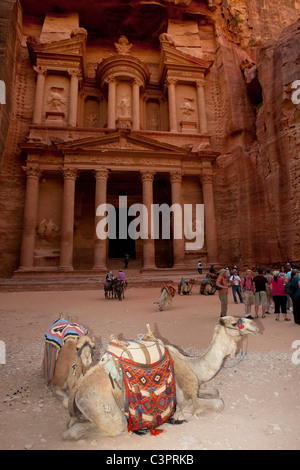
[155,432]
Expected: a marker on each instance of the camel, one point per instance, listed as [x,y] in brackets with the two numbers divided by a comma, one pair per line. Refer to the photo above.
[208,284]
[166,294]
[96,404]
[185,287]
[74,359]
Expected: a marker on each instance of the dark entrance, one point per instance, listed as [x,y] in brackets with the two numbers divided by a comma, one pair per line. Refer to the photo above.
[163,247]
[129,185]
[84,222]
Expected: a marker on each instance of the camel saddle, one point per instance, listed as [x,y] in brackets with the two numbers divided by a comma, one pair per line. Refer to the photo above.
[144,371]
[170,289]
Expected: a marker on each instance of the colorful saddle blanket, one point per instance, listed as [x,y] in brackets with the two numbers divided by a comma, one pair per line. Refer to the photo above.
[148,383]
[55,337]
[61,330]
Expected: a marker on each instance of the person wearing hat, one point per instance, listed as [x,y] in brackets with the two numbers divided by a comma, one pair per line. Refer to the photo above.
[222,287]
[248,293]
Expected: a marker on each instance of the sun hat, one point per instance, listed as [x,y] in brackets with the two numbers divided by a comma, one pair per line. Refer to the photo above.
[275,273]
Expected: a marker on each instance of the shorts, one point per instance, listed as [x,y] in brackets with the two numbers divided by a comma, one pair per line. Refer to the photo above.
[261,298]
[249,297]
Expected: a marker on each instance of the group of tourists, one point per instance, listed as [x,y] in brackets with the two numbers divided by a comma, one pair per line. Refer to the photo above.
[279,290]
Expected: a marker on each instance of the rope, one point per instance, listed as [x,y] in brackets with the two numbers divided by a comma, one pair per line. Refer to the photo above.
[242,355]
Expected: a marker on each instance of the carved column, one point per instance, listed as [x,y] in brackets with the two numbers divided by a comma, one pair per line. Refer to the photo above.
[148,242]
[135,105]
[67,225]
[171,83]
[73,100]
[210,226]
[100,249]
[39,95]
[178,243]
[30,216]
[201,105]
[111,108]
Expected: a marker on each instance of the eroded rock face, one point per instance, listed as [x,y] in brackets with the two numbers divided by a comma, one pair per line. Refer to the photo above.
[252,119]
[258,177]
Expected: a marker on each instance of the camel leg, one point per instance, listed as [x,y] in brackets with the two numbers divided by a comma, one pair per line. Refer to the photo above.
[97,402]
[207,404]
[208,392]
[62,395]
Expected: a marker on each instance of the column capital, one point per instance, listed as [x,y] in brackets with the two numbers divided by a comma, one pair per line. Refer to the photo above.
[171,81]
[74,72]
[200,82]
[175,177]
[147,175]
[32,172]
[40,69]
[206,178]
[101,174]
[110,79]
[69,173]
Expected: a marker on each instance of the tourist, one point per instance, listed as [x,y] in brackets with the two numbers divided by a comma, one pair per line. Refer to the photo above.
[279,295]
[260,284]
[296,296]
[126,261]
[222,287]
[121,276]
[269,276]
[235,281]
[110,277]
[248,295]
[200,267]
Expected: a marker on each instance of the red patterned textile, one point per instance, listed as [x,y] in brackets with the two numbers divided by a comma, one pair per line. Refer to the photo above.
[150,393]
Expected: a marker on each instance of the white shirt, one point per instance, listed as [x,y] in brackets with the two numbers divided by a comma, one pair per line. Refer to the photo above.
[236,279]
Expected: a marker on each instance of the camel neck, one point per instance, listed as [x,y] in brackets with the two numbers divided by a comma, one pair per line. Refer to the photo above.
[207,365]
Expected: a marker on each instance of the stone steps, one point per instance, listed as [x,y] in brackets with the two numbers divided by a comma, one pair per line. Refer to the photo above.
[89,280]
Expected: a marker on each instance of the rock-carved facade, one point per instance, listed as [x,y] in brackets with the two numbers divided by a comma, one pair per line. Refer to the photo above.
[172,101]
[117,133]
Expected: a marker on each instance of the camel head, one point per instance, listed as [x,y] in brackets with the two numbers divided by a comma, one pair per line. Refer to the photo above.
[85,350]
[237,327]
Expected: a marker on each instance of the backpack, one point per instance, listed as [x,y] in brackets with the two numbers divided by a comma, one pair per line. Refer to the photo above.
[291,287]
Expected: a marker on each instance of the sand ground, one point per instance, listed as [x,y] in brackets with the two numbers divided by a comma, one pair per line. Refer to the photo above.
[261,392]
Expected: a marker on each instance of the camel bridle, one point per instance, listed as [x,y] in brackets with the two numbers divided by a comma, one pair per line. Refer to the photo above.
[83,346]
[240,326]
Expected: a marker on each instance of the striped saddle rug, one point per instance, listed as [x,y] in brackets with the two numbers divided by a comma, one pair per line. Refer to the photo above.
[147,382]
[55,337]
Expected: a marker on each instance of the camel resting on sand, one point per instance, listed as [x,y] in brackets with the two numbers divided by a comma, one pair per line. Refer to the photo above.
[95,406]
[74,359]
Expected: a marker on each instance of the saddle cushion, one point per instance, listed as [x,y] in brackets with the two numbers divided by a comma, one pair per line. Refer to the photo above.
[150,394]
[148,382]
[140,352]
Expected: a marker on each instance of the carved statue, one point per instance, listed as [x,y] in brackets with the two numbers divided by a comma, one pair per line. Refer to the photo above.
[124,106]
[55,99]
[187,108]
[122,46]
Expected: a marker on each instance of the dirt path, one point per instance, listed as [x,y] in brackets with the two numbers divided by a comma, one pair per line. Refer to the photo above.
[261,393]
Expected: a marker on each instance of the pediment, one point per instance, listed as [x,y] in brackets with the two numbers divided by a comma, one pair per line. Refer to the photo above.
[74,46]
[172,59]
[122,141]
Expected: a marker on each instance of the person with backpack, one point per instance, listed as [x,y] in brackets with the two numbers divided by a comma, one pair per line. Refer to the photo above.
[295,296]
[236,286]
[248,293]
